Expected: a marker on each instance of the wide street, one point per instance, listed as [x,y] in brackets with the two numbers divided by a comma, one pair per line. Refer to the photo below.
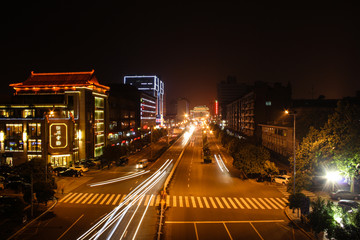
[210,203]
[205,201]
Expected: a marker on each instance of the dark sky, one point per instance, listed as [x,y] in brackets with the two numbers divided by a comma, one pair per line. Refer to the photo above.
[191,46]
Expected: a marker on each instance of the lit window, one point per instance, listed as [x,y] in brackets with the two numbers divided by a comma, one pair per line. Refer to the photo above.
[268,103]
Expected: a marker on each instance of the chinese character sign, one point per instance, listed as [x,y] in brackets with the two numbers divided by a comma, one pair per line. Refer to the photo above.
[58,135]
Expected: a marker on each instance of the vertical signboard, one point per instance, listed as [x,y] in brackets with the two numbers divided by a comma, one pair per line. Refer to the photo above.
[216,107]
[58,135]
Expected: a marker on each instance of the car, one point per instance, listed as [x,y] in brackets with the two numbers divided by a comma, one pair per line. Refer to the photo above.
[348,205]
[81,168]
[87,163]
[343,194]
[13,208]
[282,179]
[59,169]
[142,163]
[14,182]
[70,173]
[122,161]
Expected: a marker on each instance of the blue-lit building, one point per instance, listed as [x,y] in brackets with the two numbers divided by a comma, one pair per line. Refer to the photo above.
[153,86]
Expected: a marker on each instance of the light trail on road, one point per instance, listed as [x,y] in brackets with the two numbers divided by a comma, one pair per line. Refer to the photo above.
[221,163]
[115,217]
[114,180]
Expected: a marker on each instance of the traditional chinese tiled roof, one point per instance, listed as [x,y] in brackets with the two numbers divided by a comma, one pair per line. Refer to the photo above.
[63,79]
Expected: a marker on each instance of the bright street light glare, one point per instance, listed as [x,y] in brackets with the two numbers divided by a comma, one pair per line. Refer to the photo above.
[333,176]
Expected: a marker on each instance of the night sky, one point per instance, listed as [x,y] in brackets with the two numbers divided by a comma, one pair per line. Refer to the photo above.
[190,46]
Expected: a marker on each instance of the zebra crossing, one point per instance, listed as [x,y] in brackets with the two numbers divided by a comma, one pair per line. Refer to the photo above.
[198,202]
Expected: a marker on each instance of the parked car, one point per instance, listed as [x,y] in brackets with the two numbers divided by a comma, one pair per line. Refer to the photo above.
[283,179]
[88,163]
[348,205]
[14,182]
[59,169]
[13,208]
[342,194]
[70,173]
[81,168]
[122,161]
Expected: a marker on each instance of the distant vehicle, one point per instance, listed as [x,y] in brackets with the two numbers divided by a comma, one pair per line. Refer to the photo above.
[342,194]
[348,205]
[70,173]
[59,169]
[283,179]
[13,208]
[81,168]
[142,163]
[122,161]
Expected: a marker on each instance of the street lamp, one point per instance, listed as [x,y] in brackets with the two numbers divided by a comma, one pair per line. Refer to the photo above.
[294,143]
[333,176]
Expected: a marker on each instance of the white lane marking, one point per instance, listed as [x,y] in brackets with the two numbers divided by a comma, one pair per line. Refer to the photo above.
[252,204]
[174,201]
[200,203]
[264,203]
[245,203]
[232,203]
[187,204]
[261,206]
[275,207]
[212,202]
[219,202]
[226,203]
[193,202]
[237,201]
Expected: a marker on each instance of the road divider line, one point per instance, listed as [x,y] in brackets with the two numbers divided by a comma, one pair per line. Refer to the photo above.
[274,206]
[264,203]
[111,198]
[74,199]
[256,231]
[79,200]
[237,201]
[86,199]
[70,227]
[261,206]
[232,203]
[193,202]
[219,202]
[227,230]
[98,199]
[206,202]
[212,202]
[226,203]
[252,204]
[245,203]
[116,199]
[93,198]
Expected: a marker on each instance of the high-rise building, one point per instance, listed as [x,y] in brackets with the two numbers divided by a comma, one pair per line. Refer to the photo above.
[153,86]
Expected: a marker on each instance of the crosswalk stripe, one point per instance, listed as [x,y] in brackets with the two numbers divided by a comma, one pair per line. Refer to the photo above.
[264,203]
[271,203]
[74,199]
[146,200]
[285,200]
[86,199]
[122,198]
[181,201]
[226,203]
[83,196]
[251,203]
[245,203]
[93,198]
[237,201]
[168,200]
[200,203]
[232,203]
[261,206]
[70,198]
[152,201]
[69,194]
[104,199]
[283,203]
[111,198]
[206,202]
[174,201]
[218,201]
[193,202]
[140,200]
[157,200]
[278,204]
[187,204]
[116,199]
[98,199]
[212,202]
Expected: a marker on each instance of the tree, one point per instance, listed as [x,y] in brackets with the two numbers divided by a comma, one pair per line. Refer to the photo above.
[299,201]
[270,168]
[321,217]
[251,159]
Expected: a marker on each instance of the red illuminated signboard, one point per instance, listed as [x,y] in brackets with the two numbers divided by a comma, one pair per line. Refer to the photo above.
[58,135]
[216,107]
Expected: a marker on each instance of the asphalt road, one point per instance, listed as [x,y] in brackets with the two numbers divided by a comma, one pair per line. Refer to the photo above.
[83,209]
[209,203]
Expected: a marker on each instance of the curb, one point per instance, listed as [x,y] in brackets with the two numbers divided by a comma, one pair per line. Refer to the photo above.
[301,229]
[24,227]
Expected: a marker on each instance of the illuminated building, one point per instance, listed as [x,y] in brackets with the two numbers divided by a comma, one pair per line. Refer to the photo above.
[61,117]
[153,86]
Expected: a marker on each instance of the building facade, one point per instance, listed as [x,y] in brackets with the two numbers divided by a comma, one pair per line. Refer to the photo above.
[153,86]
[279,139]
[60,117]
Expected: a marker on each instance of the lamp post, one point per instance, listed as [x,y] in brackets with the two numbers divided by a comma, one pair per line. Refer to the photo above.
[294,144]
